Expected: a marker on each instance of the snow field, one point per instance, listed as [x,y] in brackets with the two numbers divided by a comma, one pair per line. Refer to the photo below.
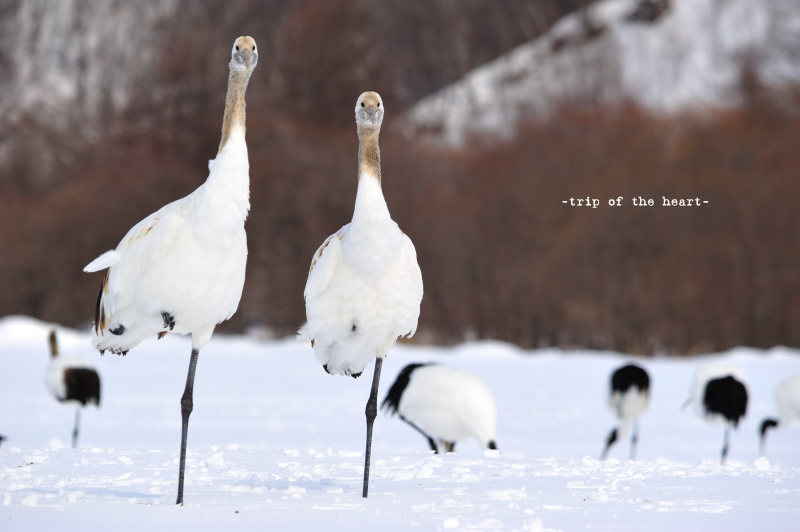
[277,440]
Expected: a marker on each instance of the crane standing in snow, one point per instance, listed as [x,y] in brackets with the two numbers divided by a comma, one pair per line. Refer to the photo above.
[72,380]
[629,399]
[787,399]
[445,404]
[182,268]
[720,397]
[364,286]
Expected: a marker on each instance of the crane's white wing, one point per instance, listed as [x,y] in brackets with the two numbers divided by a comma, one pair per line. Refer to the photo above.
[324,264]
[142,247]
[415,278]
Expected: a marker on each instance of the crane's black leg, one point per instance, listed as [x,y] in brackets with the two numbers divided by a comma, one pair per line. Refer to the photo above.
[634,439]
[371,411]
[75,430]
[432,444]
[431,441]
[186,409]
[611,439]
[725,447]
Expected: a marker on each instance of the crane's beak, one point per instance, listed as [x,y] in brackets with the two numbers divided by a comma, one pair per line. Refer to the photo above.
[247,55]
[373,114]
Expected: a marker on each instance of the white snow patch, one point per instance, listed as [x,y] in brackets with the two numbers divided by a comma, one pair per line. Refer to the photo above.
[545,476]
[450,523]
[762,464]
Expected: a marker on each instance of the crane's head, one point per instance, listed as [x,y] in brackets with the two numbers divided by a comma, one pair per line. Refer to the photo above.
[369,110]
[244,55]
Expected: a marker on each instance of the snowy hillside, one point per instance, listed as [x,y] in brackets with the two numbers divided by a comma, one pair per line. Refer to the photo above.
[276,443]
[666,55]
[54,67]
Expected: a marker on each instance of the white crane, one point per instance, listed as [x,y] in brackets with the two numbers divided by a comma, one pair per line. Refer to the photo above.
[72,380]
[629,399]
[445,404]
[182,268]
[787,399]
[364,286]
[719,393]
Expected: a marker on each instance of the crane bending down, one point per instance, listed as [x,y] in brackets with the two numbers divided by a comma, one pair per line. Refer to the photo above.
[182,268]
[719,393]
[445,404]
[364,286]
[72,380]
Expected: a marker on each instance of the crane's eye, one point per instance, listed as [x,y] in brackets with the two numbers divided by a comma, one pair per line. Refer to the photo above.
[362,104]
[237,48]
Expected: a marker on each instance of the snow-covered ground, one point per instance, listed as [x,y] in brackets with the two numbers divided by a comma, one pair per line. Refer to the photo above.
[275,443]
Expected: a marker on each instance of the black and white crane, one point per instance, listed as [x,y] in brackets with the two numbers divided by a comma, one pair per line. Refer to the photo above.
[787,399]
[629,399]
[719,393]
[182,268]
[364,286]
[72,380]
[444,404]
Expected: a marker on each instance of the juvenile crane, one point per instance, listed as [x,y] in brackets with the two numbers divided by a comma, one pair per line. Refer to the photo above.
[719,394]
[629,399]
[72,380]
[182,268]
[364,286]
[787,399]
[444,404]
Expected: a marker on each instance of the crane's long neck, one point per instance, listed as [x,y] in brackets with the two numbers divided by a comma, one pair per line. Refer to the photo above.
[370,204]
[234,118]
[369,154]
[227,189]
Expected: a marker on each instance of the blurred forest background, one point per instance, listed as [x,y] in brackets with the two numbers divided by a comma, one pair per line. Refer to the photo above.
[109,110]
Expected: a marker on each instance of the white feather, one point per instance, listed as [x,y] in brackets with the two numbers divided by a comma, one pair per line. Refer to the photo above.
[106,260]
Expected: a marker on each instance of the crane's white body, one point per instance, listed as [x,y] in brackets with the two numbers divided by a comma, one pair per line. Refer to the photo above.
[364,287]
[703,375]
[628,406]
[787,399]
[54,376]
[187,259]
[450,404]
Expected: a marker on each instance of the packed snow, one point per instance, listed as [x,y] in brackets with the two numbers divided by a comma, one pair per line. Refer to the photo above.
[274,442]
[691,56]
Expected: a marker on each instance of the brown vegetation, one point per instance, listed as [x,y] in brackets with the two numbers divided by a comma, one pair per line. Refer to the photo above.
[501,255]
